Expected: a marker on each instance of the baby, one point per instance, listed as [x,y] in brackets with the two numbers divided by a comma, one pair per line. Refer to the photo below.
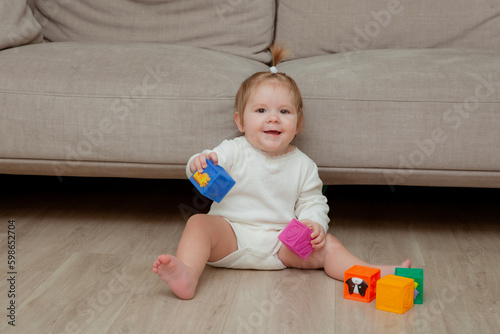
[275,182]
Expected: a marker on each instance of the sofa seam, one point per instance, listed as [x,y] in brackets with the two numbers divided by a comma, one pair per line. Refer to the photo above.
[231,98]
[389,100]
[90,161]
[115,96]
[321,167]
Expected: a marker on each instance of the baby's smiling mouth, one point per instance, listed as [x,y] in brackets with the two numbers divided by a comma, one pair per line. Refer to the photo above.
[272,132]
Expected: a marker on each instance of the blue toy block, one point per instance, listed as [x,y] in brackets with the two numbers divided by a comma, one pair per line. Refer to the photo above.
[213,183]
[418,276]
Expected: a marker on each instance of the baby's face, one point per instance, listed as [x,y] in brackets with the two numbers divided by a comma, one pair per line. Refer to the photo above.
[270,120]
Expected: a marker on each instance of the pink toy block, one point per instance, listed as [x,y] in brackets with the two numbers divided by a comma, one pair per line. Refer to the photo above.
[297,237]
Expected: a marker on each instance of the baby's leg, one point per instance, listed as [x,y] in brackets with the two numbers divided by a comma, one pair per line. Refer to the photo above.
[205,238]
[334,258]
[338,259]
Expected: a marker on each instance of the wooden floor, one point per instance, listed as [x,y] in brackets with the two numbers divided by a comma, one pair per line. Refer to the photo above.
[84,249]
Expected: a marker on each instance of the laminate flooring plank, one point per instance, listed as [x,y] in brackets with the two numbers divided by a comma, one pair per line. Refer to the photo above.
[472,322]
[153,308]
[463,265]
[285,301]
[84,294]
[41,250]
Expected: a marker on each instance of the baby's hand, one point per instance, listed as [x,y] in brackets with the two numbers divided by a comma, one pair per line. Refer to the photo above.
[317,235]
[199,163]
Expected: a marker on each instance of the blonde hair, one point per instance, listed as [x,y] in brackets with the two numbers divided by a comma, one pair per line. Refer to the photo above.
[279,53]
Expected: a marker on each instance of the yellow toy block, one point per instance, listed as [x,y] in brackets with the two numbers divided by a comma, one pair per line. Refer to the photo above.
[395,294]
[202,179]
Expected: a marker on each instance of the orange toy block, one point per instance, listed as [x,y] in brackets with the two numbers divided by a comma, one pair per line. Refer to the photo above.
[360,283]
[395,294]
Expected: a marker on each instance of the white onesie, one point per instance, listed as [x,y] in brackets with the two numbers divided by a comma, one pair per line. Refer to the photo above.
[269,192]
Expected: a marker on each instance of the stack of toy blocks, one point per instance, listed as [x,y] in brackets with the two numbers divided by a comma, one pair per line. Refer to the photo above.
[395,294]
[418,276]
[297,237]
[214,182]
[360,283]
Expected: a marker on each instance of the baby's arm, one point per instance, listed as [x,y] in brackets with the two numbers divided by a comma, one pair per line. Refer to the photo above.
[317,234]
[199,163]
[311,205]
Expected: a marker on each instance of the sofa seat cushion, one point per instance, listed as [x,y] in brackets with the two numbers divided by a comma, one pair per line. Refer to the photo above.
[68,106]
[400,110]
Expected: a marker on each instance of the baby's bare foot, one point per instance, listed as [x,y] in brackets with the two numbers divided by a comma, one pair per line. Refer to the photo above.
[177,275]
[406,264]
[390,270]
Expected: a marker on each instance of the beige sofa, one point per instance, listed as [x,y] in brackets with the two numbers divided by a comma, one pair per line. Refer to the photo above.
[396,92]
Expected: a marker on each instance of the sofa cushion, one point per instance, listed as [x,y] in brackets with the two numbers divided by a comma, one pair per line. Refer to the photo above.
[74,105]
[241,28]
[401,110]
[318,27]
[17,25]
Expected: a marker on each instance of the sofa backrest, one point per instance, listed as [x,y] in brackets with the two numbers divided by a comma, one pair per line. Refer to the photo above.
[17,25]
[318,27]
[239,27]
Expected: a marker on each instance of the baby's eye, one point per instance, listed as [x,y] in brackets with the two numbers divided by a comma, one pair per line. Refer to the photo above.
[261,110]
[284,111]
